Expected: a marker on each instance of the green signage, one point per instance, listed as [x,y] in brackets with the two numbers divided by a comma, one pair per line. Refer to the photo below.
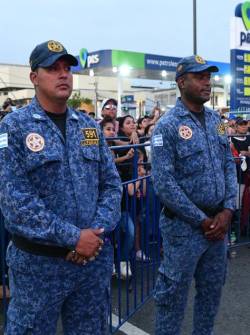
[135,60]
[245,10]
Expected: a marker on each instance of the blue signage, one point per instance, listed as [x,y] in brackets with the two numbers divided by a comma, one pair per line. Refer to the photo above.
[155,62]
[240,58]
[240,87]
[92,60]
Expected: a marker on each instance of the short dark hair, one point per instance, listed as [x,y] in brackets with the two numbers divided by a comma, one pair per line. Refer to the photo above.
[105,120]
[241,122]
[148,127]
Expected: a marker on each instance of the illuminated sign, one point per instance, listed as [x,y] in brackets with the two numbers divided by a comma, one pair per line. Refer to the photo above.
[240,57]
[86,60]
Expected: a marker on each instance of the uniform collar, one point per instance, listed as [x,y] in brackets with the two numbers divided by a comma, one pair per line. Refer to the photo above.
[181,109]
[39,114]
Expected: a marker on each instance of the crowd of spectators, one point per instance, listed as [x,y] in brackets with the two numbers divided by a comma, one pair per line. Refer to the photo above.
[130,144]
[238,130]
[129,140]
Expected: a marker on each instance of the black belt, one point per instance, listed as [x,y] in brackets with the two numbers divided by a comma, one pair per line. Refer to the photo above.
[39,249]
[210,212]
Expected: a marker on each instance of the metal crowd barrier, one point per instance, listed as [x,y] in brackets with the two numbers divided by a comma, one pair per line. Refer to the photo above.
[131,288]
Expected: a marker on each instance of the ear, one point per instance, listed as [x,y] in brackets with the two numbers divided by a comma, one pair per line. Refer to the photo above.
[33,78]
[181,82]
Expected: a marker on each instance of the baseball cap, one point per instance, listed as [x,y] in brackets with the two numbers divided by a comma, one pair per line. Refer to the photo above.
[47,53]
[106,101]
[193,64]
[240,121]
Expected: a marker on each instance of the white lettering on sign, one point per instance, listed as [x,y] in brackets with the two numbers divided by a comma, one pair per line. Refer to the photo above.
[93,59]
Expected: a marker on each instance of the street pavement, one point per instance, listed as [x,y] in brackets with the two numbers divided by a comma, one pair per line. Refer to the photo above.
[234,314]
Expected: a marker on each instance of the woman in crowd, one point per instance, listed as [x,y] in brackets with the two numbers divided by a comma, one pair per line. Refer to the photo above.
[148,133]
[124,234]
[142,123]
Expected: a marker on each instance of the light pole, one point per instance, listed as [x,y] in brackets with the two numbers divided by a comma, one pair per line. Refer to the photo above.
[227,82]
[215,79]
[194,29]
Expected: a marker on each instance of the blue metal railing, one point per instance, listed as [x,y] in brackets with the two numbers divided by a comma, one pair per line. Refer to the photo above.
[129,293]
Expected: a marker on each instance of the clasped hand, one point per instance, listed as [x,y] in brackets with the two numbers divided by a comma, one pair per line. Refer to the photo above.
[217,227]
[88,246]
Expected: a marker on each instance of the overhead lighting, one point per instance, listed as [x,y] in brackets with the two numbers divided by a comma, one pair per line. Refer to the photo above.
[164,73]
[114,69]
[228,79]
[124,70]
[91,73]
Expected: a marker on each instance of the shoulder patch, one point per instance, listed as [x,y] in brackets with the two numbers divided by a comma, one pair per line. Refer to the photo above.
[3,140]
[157,141]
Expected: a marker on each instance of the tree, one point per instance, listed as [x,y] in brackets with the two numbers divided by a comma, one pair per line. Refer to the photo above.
[76,100]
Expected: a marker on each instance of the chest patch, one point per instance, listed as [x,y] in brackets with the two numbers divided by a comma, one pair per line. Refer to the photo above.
[91,136]
[185,132]
[35,142]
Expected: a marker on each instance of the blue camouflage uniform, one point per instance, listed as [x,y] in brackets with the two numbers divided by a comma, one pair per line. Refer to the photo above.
[193,173]
[50,189]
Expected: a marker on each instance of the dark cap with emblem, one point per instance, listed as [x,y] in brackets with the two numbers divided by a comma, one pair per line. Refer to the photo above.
[193,64]
[47,53]
[240,121]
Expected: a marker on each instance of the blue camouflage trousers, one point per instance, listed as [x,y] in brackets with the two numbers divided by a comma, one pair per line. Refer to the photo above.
[186,257]
[78,294]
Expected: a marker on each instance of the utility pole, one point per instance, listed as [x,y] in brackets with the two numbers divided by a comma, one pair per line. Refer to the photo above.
[194,29]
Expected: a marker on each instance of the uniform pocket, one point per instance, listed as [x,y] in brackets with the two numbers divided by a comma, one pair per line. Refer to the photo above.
[42,167]
[91,153]
[20,319]
[165,288]
[174,227]
[190,158]
[178,259]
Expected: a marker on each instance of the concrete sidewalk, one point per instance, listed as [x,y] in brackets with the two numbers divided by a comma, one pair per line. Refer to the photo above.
[234,314]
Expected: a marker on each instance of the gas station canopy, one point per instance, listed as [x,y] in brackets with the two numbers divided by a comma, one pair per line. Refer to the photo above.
[112,63]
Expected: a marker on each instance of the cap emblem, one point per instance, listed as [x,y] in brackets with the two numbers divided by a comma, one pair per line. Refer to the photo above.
[200,60]
[55,46]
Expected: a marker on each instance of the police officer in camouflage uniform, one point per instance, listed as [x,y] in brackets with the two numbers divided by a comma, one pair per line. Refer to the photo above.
[194,176]
[60,194]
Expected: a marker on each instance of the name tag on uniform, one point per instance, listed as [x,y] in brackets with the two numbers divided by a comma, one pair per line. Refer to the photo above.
[3,140]
[157,141]
[91,136]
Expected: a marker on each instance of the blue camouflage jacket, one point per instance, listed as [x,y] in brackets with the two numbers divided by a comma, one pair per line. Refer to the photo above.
[192,167]
[51,188]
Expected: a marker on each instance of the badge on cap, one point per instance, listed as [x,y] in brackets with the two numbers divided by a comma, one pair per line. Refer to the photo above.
[185,132]
[35,142]
[55,46]
[200,60]
[91,136]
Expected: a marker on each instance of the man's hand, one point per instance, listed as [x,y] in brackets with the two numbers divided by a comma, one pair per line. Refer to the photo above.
[245,153]
[219,226]
[89,243]
[207,225]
